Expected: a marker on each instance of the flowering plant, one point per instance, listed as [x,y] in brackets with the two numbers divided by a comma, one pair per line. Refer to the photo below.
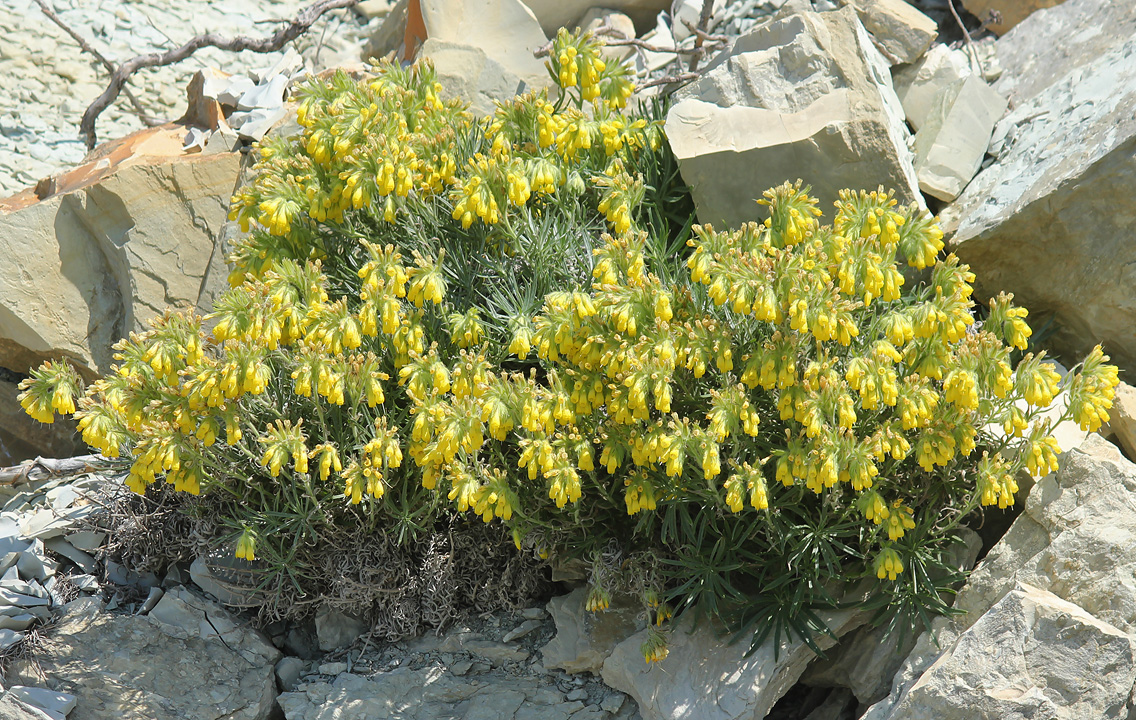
[427,316]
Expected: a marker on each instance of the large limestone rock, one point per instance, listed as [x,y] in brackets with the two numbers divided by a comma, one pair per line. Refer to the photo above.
[1074,539]
[803,96]
[431,693]
[952,141]
[902,31]
[704,677]
[1055,41]
[483,49]
[124,237]
[132,668]
[1048,220]
[919,84]
[585,639]
[1032,655]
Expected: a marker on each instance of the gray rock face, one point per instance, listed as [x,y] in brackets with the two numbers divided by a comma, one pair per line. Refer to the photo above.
[428,694]
[1031,655]
[703,677]
[803,96]
[1046,221]
[1074,540]
[1124,418]
[128,668]
[584,639]
[904,32]
[952,141]
[1057,40]
[100,261]
[918,85]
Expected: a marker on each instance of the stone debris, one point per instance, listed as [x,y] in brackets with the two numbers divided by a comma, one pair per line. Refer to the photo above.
[51,703]
[336,629]
[953,137]
[1124,418]
[782,103]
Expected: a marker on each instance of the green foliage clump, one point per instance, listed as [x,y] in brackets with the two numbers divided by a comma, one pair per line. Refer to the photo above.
[514,317]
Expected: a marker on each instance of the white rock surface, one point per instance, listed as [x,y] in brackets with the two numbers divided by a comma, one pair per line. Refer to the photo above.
[483,49]
[803,96]
[1074,539]
[100,261]
[703,677]
[904,32]
[1046,221]
[429,694]
[918,85]
[952,140]
[585,639]
[1031,655]
[553,14]
[127,668]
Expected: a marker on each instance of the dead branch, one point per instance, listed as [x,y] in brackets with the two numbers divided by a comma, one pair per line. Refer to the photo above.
[634,42]
[296,27]
[670,79]
[969,42]
[88,48]
[700,31]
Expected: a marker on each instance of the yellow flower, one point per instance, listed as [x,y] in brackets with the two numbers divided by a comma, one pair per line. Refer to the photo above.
[246,545]
[888,564]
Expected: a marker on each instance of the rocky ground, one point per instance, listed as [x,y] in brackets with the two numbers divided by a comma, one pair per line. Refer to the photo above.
[1025,143]
[49,80]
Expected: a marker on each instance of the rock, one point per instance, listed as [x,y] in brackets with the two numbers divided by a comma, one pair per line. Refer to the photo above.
[952,141]
[25,438]
[1073,539]
[685,13]
[902,31]
[288,672]
[1031,655]
[125,667]
[521,630]
[60,546]
[472,41]
[919,84]
[180,612]
[53,702]
[534,613]
[268,94]
[1009,12]
[254,124]
[704,677]
[428,694]
[554,14]
[332,668]
[866,659]
[1124,418]
[1042,221]
[100,259]
[802,96]
[615,25]
[336,630]
[585,639]
[373,8]
[220,574]
[13,709]
[1056,41]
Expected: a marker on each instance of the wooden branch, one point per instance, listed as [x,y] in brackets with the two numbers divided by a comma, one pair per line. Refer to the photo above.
[670,79]
[634,42]
[700,31]
[88,48]
[297,26]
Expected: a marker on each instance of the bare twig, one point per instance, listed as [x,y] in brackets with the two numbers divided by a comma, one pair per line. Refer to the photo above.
[88,48]
[669,79]
[969,43]
[700,31]
[297,26]
[635,42]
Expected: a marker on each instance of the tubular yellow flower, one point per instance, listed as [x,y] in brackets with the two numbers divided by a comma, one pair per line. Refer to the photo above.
[888,564]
